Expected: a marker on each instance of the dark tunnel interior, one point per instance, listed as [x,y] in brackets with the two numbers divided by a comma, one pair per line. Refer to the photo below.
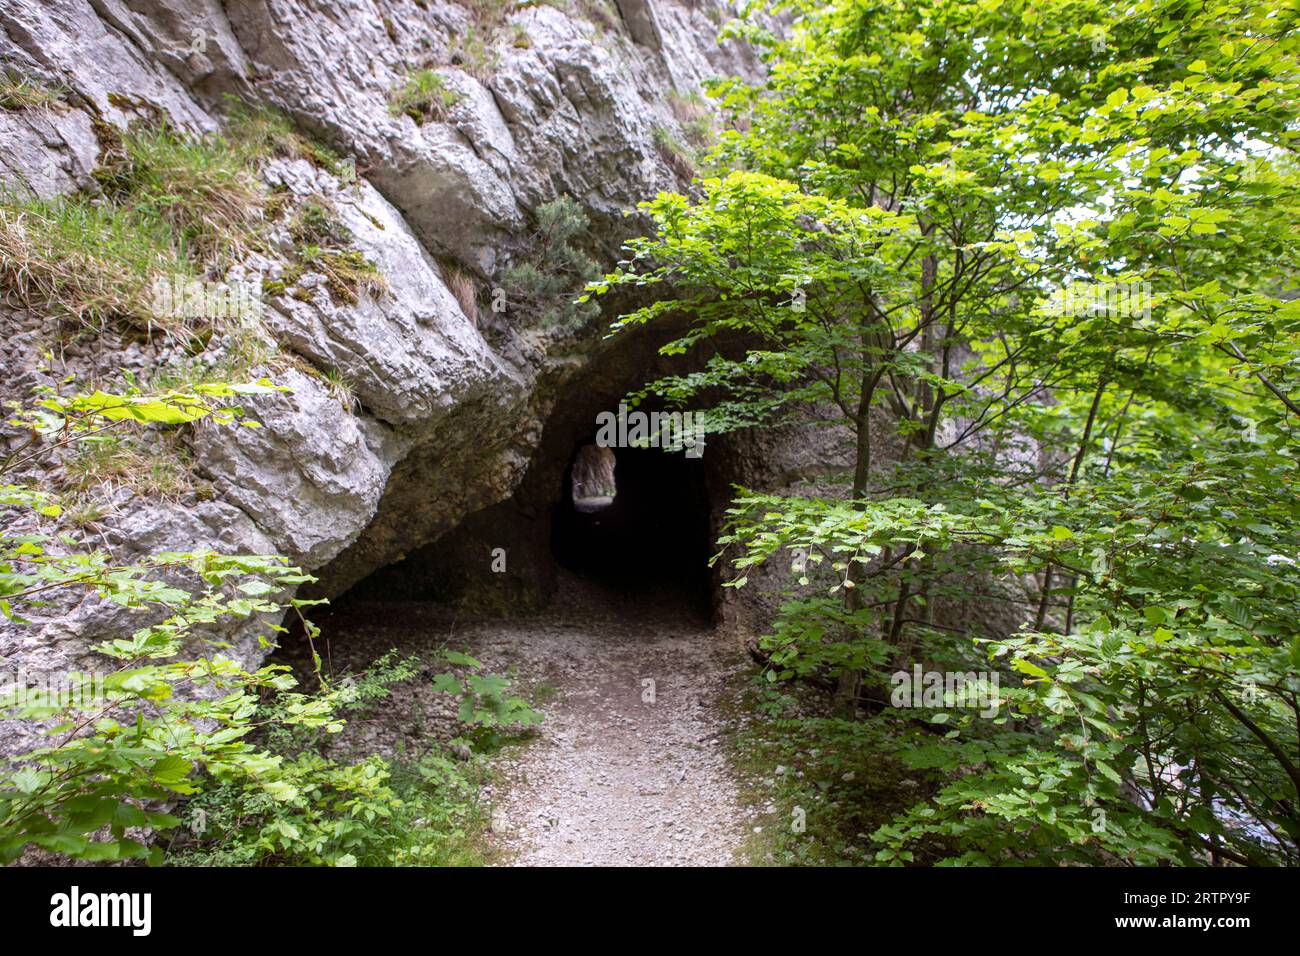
[648,539]
[651,536]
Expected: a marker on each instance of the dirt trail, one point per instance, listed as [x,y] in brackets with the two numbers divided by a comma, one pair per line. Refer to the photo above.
[629,767]
[622,771]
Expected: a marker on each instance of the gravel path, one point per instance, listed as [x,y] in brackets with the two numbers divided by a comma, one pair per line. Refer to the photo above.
[622,771]
[629,768]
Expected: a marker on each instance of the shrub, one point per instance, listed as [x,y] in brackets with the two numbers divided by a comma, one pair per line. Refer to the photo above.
[158,723]
[424,97]
[420,811]
[548,284]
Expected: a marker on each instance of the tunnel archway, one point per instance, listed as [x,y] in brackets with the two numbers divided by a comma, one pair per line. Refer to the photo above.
[509,556]
[650,539]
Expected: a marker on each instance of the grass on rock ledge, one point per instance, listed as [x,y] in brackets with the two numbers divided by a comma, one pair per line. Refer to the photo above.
[18,92]
[424,97]
[172,205]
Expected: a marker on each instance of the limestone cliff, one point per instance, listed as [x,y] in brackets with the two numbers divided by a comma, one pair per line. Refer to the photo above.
[445,400]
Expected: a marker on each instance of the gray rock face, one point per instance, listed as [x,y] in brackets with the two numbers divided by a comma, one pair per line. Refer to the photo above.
[639,16]
[406,415]
[410,356]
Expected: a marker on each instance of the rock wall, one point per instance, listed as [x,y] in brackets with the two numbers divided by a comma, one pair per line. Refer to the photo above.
[445,408]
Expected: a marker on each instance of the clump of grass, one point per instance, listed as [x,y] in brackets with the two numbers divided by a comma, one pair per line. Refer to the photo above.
[115,459]
[425,97]
[603,13]
[173,205]
[263,133]
[474,54]
[320,245]
[461,285]
[18,92]
[347,273]
[337,385]
[319,235]
[80,260]
[474,51]
[678,157]
[489,15]
[339,388]
[83,512]
[316,222]
[245,347]
[694,117]
[204,188]
[286,282]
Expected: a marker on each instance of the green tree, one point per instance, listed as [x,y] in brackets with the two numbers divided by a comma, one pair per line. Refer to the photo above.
[1052,243]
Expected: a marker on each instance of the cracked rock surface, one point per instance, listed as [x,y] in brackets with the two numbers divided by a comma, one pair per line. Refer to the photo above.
[442,414]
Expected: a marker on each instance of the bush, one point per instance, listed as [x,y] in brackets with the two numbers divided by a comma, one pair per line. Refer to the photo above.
[424,97]
[366,812]
[170,713]
[549,283]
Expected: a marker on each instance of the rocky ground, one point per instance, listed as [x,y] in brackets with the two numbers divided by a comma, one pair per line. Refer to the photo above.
[629,765]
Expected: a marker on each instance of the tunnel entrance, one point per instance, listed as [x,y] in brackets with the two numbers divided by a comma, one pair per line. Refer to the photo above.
[632,522]
[636,519]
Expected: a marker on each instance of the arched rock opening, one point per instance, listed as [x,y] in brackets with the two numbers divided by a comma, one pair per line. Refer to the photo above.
[653,536]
